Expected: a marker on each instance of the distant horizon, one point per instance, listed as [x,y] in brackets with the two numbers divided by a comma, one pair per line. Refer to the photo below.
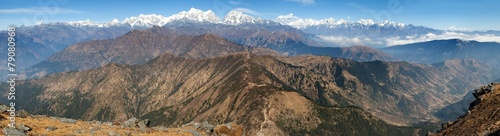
[441,15]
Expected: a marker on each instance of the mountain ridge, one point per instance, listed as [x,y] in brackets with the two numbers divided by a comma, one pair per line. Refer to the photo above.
[373,86]
[234,87]
[140,46]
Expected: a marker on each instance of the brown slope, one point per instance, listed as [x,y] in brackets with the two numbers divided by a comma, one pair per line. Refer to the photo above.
[399,92]
[175,90]
[483,117]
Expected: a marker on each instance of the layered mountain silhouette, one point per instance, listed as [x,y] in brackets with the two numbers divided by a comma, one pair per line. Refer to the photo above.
[36,43]
[266,94]
[441,50]
[139,46]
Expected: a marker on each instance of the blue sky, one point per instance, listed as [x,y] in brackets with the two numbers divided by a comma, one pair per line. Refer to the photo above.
[439,14]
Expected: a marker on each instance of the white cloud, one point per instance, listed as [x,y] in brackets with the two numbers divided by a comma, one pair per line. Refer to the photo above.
[446,35]
[248,11]
[55,10]
[453,28]
[345,41]
[304,2]
[391,41]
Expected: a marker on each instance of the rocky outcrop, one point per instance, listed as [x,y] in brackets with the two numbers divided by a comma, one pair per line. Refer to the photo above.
[134,122]
[483,117]
[480,92]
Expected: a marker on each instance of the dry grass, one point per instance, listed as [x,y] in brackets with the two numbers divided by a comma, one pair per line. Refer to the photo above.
[235,130]
[39,124]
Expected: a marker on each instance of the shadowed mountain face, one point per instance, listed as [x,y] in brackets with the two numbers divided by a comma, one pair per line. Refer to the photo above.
[455,110]
[284,94]
[441,50]
[139,46]
[35,43]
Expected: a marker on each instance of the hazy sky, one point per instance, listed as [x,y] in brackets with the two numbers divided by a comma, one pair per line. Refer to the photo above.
[439,14]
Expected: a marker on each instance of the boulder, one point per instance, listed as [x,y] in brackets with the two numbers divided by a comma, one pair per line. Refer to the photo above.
[113,133]
[207,127]
[97,123]
[79,131]
[3,108]
[132,122]
[13,132]
[50,128]
[68,121]
[144,124]
[23,128]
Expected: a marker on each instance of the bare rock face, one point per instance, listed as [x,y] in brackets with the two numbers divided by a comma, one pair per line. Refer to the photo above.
[483,117]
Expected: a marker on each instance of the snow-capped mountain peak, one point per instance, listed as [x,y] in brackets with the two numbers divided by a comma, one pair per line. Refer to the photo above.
[83,23]
[236,18]
[150,20]
[145,20]
[196,15]
[39,22]
[232,18]
[284,19]
[366,22]
[300,23]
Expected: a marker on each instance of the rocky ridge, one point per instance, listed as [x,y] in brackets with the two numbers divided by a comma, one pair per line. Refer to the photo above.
[483,116]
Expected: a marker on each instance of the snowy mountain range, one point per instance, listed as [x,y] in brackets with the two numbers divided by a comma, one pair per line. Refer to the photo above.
[193,15]
[232,18]
[300,23]
[330,31]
